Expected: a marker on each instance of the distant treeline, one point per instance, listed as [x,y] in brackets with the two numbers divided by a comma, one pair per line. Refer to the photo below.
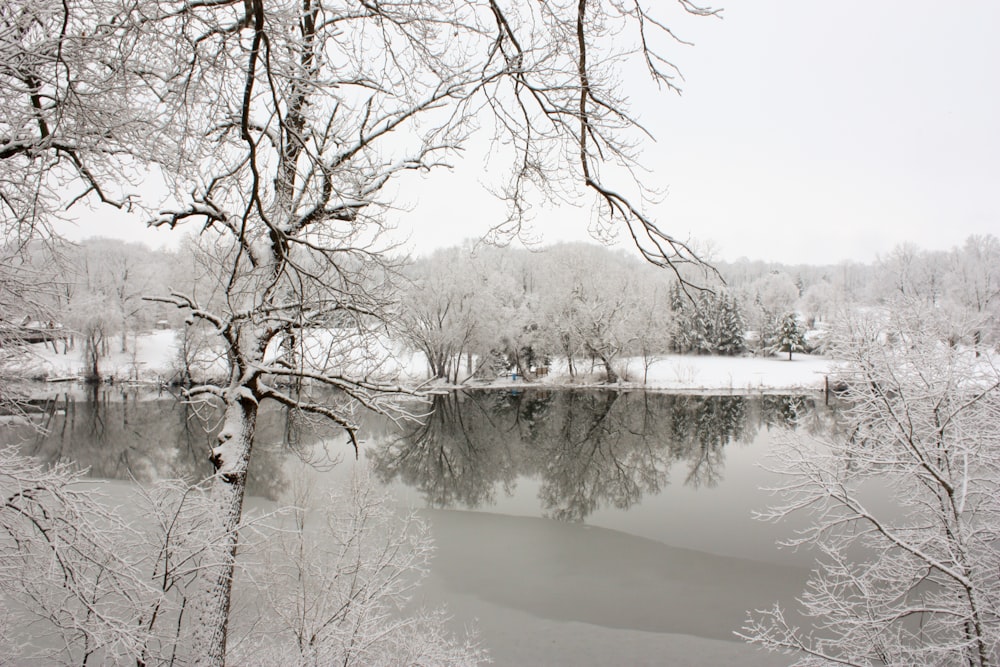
[506,308]
[483,309]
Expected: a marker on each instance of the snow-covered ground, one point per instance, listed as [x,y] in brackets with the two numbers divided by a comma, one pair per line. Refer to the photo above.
[153,357]
[711,373]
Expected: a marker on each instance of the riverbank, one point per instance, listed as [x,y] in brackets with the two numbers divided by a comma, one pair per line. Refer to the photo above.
[153,358]
[689,373]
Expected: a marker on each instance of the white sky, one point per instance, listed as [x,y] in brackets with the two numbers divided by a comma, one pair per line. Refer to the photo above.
[808,132]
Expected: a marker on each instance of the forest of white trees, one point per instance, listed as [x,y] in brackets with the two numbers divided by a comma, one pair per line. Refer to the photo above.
[483,310]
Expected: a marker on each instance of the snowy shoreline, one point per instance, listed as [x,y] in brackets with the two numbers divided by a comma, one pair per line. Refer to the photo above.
[688,374]
[152,362]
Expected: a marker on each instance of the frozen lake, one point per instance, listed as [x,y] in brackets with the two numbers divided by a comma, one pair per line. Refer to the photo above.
[572,527]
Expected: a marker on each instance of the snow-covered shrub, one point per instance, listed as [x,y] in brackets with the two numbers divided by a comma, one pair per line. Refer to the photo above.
[332,586]
[82,581]
[910,576]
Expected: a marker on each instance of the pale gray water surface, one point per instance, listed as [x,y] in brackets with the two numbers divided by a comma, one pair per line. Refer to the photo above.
[571,527]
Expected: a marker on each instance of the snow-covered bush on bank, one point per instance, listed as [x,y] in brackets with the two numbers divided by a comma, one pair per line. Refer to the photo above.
[70,589]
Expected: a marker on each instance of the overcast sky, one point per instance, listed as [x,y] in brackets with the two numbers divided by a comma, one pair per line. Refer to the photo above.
[808,132]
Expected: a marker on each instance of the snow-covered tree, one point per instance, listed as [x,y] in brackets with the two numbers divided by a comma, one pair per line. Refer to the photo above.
[729,328]
[72,112]
[513,327]
[338,584]
[601,313]
[109,278]
[439,310]
[124,272]
[650,326]
[776,291]
[973,287]
[684,331]
[83,583]
[62,561]
[591,297]
[556,307]
[788,335]
[280,129]
[903,508]
[819,302]
[909,273]
[709,323]
[25,284]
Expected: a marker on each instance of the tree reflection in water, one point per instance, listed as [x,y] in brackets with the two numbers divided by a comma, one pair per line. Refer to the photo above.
[142,435]
[588,449]
[465,449]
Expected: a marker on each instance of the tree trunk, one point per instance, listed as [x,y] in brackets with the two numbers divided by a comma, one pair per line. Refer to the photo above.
[612,375]
[228,486]
[92,357]
[437,360]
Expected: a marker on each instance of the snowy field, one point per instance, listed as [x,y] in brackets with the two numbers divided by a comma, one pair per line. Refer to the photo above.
[712,373]
[153,357]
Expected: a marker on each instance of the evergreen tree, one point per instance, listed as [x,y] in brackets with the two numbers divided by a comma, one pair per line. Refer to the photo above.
[710,324]
[683,334]
[789,335]
[731,332]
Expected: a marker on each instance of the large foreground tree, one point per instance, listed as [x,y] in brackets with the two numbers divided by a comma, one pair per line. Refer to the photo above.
[279,128]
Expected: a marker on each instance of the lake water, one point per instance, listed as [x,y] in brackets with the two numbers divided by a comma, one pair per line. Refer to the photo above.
[575,527]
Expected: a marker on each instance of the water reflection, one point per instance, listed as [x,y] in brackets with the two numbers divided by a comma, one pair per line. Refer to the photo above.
[586,449]
[119,433]
[142,435]
[461,452]
[681,562]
